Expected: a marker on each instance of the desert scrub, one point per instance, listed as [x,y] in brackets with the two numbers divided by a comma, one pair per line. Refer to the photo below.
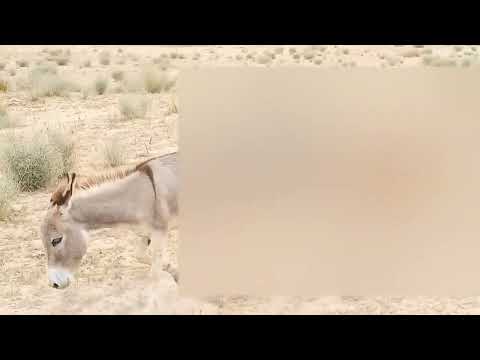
[309,53]
[48,84]
[6,120]
[62,143]
[43,68]
[30,164]
[156,81]
[8,191]
[55,52]
[3,85]
[438,61]
[133,106]
[117,75]
[264,58]
[104,57]
[22,63]
[113,153]
[100,85]
[162,62]
[61,60]
[2,65]
[172,105]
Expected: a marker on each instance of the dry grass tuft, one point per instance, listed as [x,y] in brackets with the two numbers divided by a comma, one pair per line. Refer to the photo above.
[3,85]
[118,75]
[133,106]
[63,144]
[8,191]
[31,165]
[23,63]
[45,82]
[100,85]
[156,81]
[113,153]
[6,120]
[104,57]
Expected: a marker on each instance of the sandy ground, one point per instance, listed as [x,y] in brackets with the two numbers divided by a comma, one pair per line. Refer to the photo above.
[112,279]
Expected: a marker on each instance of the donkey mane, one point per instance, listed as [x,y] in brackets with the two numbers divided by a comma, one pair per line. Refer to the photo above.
[88,182]
[59,196]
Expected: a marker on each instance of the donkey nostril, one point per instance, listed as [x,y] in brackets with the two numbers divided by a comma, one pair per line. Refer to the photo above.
[55,285]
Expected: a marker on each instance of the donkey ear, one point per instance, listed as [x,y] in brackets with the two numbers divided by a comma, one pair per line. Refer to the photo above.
[68,192]
[72,183]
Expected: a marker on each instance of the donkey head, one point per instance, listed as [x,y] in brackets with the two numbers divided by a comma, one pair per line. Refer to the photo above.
[64,239]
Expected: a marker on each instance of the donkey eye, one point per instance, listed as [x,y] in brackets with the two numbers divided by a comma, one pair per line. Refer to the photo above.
[57,241]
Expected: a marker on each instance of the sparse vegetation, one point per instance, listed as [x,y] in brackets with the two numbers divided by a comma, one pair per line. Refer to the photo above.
[12,71]
[8,191]
[162,61]
[45,83]
[22,63]
[87,63]
[117,75]
[113,153]
[55,52]
[6,120]
[172,105]
[133,106]
[156,81]
[43,68]
[62,60]
[3,85]
[2,65]
[309,53]
[264,58]
[435,60]
[31,165]
[64,145]
[104,57]
[100,85]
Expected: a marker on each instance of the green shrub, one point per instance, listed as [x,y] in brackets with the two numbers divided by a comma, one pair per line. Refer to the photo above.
[100,85]
[30,164]
[132,106]
[156,81]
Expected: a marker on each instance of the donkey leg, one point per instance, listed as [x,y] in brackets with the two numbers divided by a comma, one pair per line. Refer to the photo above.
[159,264]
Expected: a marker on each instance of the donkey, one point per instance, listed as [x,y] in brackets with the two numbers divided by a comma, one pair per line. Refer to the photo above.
[146,194]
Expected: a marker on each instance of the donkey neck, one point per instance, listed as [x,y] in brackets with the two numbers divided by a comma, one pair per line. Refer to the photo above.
[124,201]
